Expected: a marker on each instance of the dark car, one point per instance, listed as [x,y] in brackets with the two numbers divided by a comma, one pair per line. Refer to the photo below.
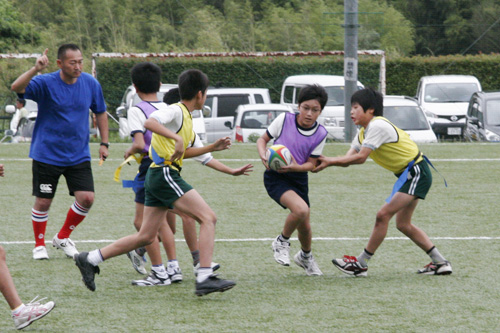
[483,117]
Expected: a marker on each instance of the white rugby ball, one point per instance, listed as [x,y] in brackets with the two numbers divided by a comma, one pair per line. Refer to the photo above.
[278,156]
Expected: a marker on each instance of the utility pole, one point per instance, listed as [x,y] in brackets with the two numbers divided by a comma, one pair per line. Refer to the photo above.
[350,63]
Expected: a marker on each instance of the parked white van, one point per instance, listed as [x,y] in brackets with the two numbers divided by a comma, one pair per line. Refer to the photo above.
[130,98]
[444,99]
[332,116]
[221,105]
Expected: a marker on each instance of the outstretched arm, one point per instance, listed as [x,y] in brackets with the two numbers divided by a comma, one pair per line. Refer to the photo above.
[220,144]
[352,157]
[20,84]
[219,166]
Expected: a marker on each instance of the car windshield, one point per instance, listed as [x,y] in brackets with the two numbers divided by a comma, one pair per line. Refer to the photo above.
[408,118]
[449,92]
[493,112]
[335,96]
[259,119]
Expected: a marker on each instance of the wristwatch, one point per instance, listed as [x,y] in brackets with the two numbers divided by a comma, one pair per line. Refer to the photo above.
[105,144]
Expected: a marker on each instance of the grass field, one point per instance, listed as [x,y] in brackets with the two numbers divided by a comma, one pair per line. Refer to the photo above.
[462,220]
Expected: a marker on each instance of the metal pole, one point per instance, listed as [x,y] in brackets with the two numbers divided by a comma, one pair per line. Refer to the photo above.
[350,63]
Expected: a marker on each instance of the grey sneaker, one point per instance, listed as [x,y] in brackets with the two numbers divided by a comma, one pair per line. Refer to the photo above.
[137,262]
[153,279]
[66,245]
[350,266]
[443,268]
[213,284]
[32,311]
[87,270]
[281,252]
[308,264]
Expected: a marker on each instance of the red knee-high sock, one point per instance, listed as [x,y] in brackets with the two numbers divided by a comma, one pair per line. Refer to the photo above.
[76,214]
[39,221]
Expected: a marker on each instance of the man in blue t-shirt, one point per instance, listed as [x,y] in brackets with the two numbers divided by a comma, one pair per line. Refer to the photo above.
[60,142]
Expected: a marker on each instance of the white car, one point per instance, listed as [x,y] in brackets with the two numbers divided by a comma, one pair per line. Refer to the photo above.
[130,98]
[332,116]
[252,120]
[220,107]
[405,113]
[444,99]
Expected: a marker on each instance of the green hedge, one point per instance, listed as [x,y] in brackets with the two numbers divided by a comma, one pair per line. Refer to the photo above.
[402,74]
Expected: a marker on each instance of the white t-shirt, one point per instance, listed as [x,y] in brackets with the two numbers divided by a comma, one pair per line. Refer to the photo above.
[377,133]
[172,116]
[277,125]
[136,117]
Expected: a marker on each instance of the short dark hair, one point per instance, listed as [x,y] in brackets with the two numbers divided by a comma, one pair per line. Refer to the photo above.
[22,101]
[369,98]
[192,81]
[313,91]
[172,96]
[61,52]
[146,77]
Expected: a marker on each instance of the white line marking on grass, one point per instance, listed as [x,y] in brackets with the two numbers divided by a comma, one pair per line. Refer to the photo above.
[235,240]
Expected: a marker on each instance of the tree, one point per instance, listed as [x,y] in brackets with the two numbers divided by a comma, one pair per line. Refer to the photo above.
[16,35]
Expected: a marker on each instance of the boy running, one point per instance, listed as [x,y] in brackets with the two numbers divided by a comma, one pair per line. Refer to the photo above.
[305,138]
[172,129]
[391,148]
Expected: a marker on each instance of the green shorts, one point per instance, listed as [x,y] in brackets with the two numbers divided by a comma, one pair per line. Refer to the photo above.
[163,186]
[419,180]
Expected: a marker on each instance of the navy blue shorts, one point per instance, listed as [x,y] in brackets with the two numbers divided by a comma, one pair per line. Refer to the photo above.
[278,183]
[140,194]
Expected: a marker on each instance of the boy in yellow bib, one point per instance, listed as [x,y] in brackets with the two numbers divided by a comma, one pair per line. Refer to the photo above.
[391,148]
[165,189]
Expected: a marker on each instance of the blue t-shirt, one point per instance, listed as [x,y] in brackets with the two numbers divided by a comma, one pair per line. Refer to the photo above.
[61,133]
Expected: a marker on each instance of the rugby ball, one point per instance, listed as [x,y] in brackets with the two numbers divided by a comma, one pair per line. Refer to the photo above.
[278,156]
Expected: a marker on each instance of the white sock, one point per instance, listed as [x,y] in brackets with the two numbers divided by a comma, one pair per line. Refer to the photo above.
[173,263]
[18,309]
[95,257]
[204,273]
[306,255]
[160,270]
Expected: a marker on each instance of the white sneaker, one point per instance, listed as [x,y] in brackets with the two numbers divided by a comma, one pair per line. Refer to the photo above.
[215,266]
[66,245]
[308,264]
[443,268]
[137,262]
[40,253]
[281,252]
[31,312]
[153,279]
[174,273]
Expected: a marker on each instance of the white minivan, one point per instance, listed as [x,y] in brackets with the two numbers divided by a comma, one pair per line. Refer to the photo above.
[332,116]
[444,99]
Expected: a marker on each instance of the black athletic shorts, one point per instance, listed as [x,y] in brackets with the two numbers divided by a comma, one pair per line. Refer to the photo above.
[46,177]
[278,183]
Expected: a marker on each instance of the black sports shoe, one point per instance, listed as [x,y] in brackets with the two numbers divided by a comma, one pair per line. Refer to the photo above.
[86,269]
[213,284]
